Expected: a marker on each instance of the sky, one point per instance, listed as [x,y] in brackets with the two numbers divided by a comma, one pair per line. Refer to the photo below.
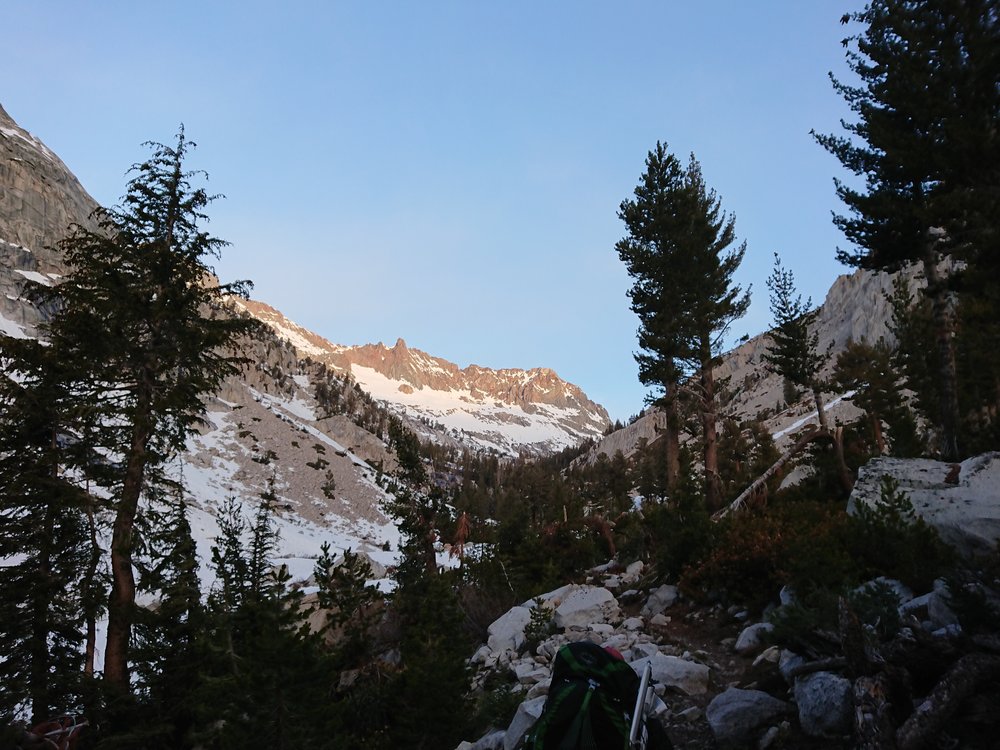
[450,172]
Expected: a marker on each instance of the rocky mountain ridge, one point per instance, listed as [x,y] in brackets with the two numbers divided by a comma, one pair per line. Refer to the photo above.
[264,431]
[510,411]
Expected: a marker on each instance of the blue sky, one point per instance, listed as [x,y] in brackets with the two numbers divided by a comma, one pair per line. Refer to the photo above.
[450,172]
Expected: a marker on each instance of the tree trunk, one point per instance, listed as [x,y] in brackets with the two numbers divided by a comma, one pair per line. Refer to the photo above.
[88,593]
[879,434]
[713,489]
[41,594]
[672,443]
[820,408]
[843,471]
[947,370]
[122,599]
[873,726]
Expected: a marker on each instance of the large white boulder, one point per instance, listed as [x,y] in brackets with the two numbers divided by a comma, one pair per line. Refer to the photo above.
[961,501]
[585,606]
[659,600]
[752,639]
[506,633]
[525,718]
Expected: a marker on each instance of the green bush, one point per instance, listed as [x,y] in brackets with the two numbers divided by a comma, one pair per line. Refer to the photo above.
[888,538]
[753,555]
[539,627]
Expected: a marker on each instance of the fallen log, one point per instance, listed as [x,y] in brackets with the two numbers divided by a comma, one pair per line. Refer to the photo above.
[762,480]
[922,728]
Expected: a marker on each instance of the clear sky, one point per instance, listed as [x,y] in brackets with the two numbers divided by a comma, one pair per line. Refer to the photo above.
[450,172]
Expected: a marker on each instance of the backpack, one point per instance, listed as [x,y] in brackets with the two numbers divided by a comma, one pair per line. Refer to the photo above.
[590,702]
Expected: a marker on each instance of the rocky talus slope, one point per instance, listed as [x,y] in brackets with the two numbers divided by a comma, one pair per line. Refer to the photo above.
[720,679]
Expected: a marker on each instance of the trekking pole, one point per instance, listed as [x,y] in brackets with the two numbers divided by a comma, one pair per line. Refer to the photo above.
[637,735]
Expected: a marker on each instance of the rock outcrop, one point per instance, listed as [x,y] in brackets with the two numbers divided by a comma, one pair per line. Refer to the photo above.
[39,200]
[39,197]
[961,501]
[855,309]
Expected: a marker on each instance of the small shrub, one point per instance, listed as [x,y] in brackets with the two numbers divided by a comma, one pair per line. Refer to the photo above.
[877,606]
[329,486]
[682,529]
[497,705]
[539,627]
[744,562]
[890,539]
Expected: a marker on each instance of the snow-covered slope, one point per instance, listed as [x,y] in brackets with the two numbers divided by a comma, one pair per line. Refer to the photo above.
[511,411]
[263,430]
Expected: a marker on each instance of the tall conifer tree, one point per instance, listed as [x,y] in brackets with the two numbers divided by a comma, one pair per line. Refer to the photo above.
[44,545]
[926,143]
[679,256]
[793,351]
[141,318]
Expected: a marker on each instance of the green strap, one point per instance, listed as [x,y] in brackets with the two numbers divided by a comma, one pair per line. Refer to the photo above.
[580,734]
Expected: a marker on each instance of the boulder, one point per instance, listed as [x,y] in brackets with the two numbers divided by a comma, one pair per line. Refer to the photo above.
[585,606]
[528,671]
[659,600]
[751,639]
[787,662]
[825,704]
[736,715]
[633,572]
[932,608]
[525,718]
[689,677]
[633,623]
[961,501]
[491,741]
[506,633]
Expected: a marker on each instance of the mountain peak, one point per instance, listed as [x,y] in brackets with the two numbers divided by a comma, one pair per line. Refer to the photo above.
[510,410]
[5,119]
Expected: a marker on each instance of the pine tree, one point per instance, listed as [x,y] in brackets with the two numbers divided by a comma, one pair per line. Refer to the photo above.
[429,699]
[927,145]
[265,677]
[647,251]
[44,544]
[678,254]
[169,645]
[793,351]
[144,323]
[867,369]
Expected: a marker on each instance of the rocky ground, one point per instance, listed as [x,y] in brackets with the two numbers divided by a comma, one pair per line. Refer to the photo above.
[698,653]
